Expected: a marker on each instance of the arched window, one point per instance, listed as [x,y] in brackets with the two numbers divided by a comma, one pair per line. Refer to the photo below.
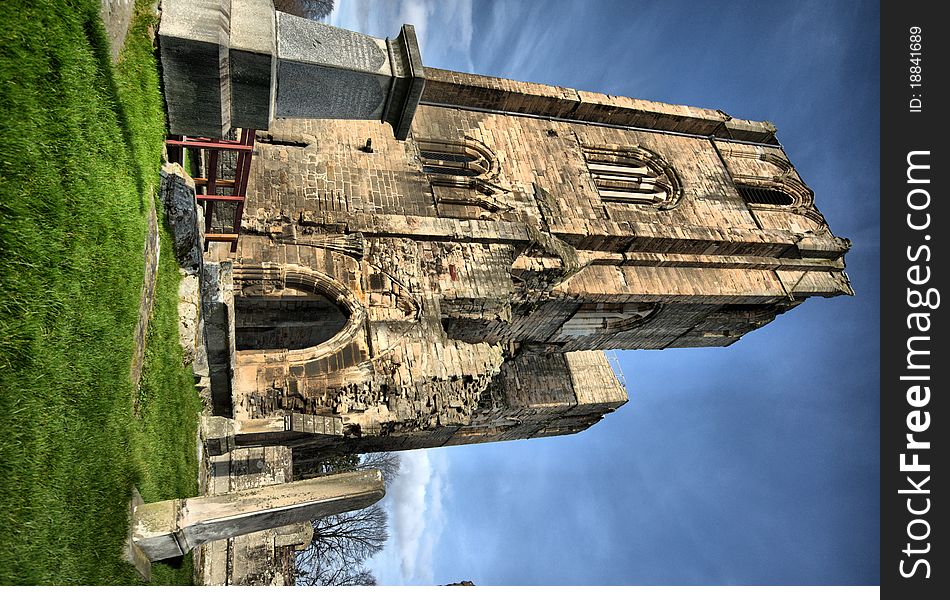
[290,322]
[633,176]
[461,174]
[458,160]
[771,189]
[765,195]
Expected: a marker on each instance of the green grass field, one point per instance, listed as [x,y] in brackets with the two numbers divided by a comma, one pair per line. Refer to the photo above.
[80,152]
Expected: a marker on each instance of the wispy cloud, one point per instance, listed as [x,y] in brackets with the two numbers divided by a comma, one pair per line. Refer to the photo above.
[444,27]
[414,503]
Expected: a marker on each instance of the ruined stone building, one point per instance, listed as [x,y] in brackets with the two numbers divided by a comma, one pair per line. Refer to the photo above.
[450,268]
[460,286]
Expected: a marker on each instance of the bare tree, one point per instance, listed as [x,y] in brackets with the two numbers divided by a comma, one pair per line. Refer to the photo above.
[340,546]
[342,543]
[308,9]
[345,575]
[387,462]
[308,463]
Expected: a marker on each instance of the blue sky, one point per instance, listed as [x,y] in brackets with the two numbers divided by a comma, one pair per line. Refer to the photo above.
[754,464]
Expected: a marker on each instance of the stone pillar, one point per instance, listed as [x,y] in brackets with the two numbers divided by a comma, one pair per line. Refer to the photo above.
[174,527]
[253,52]
[328,73]
[240,63]
[221,434]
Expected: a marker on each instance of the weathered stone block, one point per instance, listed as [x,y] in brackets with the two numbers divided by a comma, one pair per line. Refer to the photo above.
[409,84]
[155,529]
[253,55]
[193,43]
[217,434]
[329,73]
[183,216]
[217,304]
[173,527]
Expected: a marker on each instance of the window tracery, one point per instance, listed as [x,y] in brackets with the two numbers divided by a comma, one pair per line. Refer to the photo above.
[461,174]
[633,176]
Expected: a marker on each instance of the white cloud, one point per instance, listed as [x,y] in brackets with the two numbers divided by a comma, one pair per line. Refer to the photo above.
[417,12]
[416,520]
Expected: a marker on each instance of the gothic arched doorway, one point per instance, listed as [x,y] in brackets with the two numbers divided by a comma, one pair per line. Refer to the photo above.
[288,321]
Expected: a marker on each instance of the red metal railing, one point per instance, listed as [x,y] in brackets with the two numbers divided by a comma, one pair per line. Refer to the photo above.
[244,146]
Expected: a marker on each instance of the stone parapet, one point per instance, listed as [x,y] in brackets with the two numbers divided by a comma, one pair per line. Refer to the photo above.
[480,92]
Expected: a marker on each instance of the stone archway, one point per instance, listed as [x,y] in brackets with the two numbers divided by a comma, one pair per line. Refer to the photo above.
[292,309]
[288,321]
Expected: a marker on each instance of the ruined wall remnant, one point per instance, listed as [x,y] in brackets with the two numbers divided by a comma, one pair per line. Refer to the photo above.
[451,268]
[457,282]
[460,286]
[254,558]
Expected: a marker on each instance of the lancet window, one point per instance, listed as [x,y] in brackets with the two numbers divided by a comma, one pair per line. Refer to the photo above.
[633,176]
[461,174]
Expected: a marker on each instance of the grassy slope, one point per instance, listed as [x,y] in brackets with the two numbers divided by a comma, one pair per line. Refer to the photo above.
[80,150]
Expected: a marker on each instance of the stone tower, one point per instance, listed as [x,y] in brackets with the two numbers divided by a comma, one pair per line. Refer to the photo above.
[460,286]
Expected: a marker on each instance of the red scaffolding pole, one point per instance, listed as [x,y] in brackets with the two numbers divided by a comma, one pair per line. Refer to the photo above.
[237,192]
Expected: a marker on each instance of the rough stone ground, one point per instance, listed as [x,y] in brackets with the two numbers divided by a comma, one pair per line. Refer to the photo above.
[116,15]
[147,299]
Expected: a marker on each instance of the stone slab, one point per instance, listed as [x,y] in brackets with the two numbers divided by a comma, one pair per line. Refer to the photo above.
[253,55]
[253,26]
[305,41]
[318,92]
[131,553]
[154,528]
[174,527]
[252,89]
[216,517]
[193,43]
[410,83]
[329,73]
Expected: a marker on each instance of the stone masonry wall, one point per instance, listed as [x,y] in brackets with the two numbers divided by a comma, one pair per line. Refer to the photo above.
[451,320]
[261,558]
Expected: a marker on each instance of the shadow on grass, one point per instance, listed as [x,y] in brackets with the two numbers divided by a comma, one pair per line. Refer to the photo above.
[174,563]
[99,42]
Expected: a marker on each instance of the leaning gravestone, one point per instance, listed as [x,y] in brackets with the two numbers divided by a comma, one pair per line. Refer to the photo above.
[171,528]
[240,63]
